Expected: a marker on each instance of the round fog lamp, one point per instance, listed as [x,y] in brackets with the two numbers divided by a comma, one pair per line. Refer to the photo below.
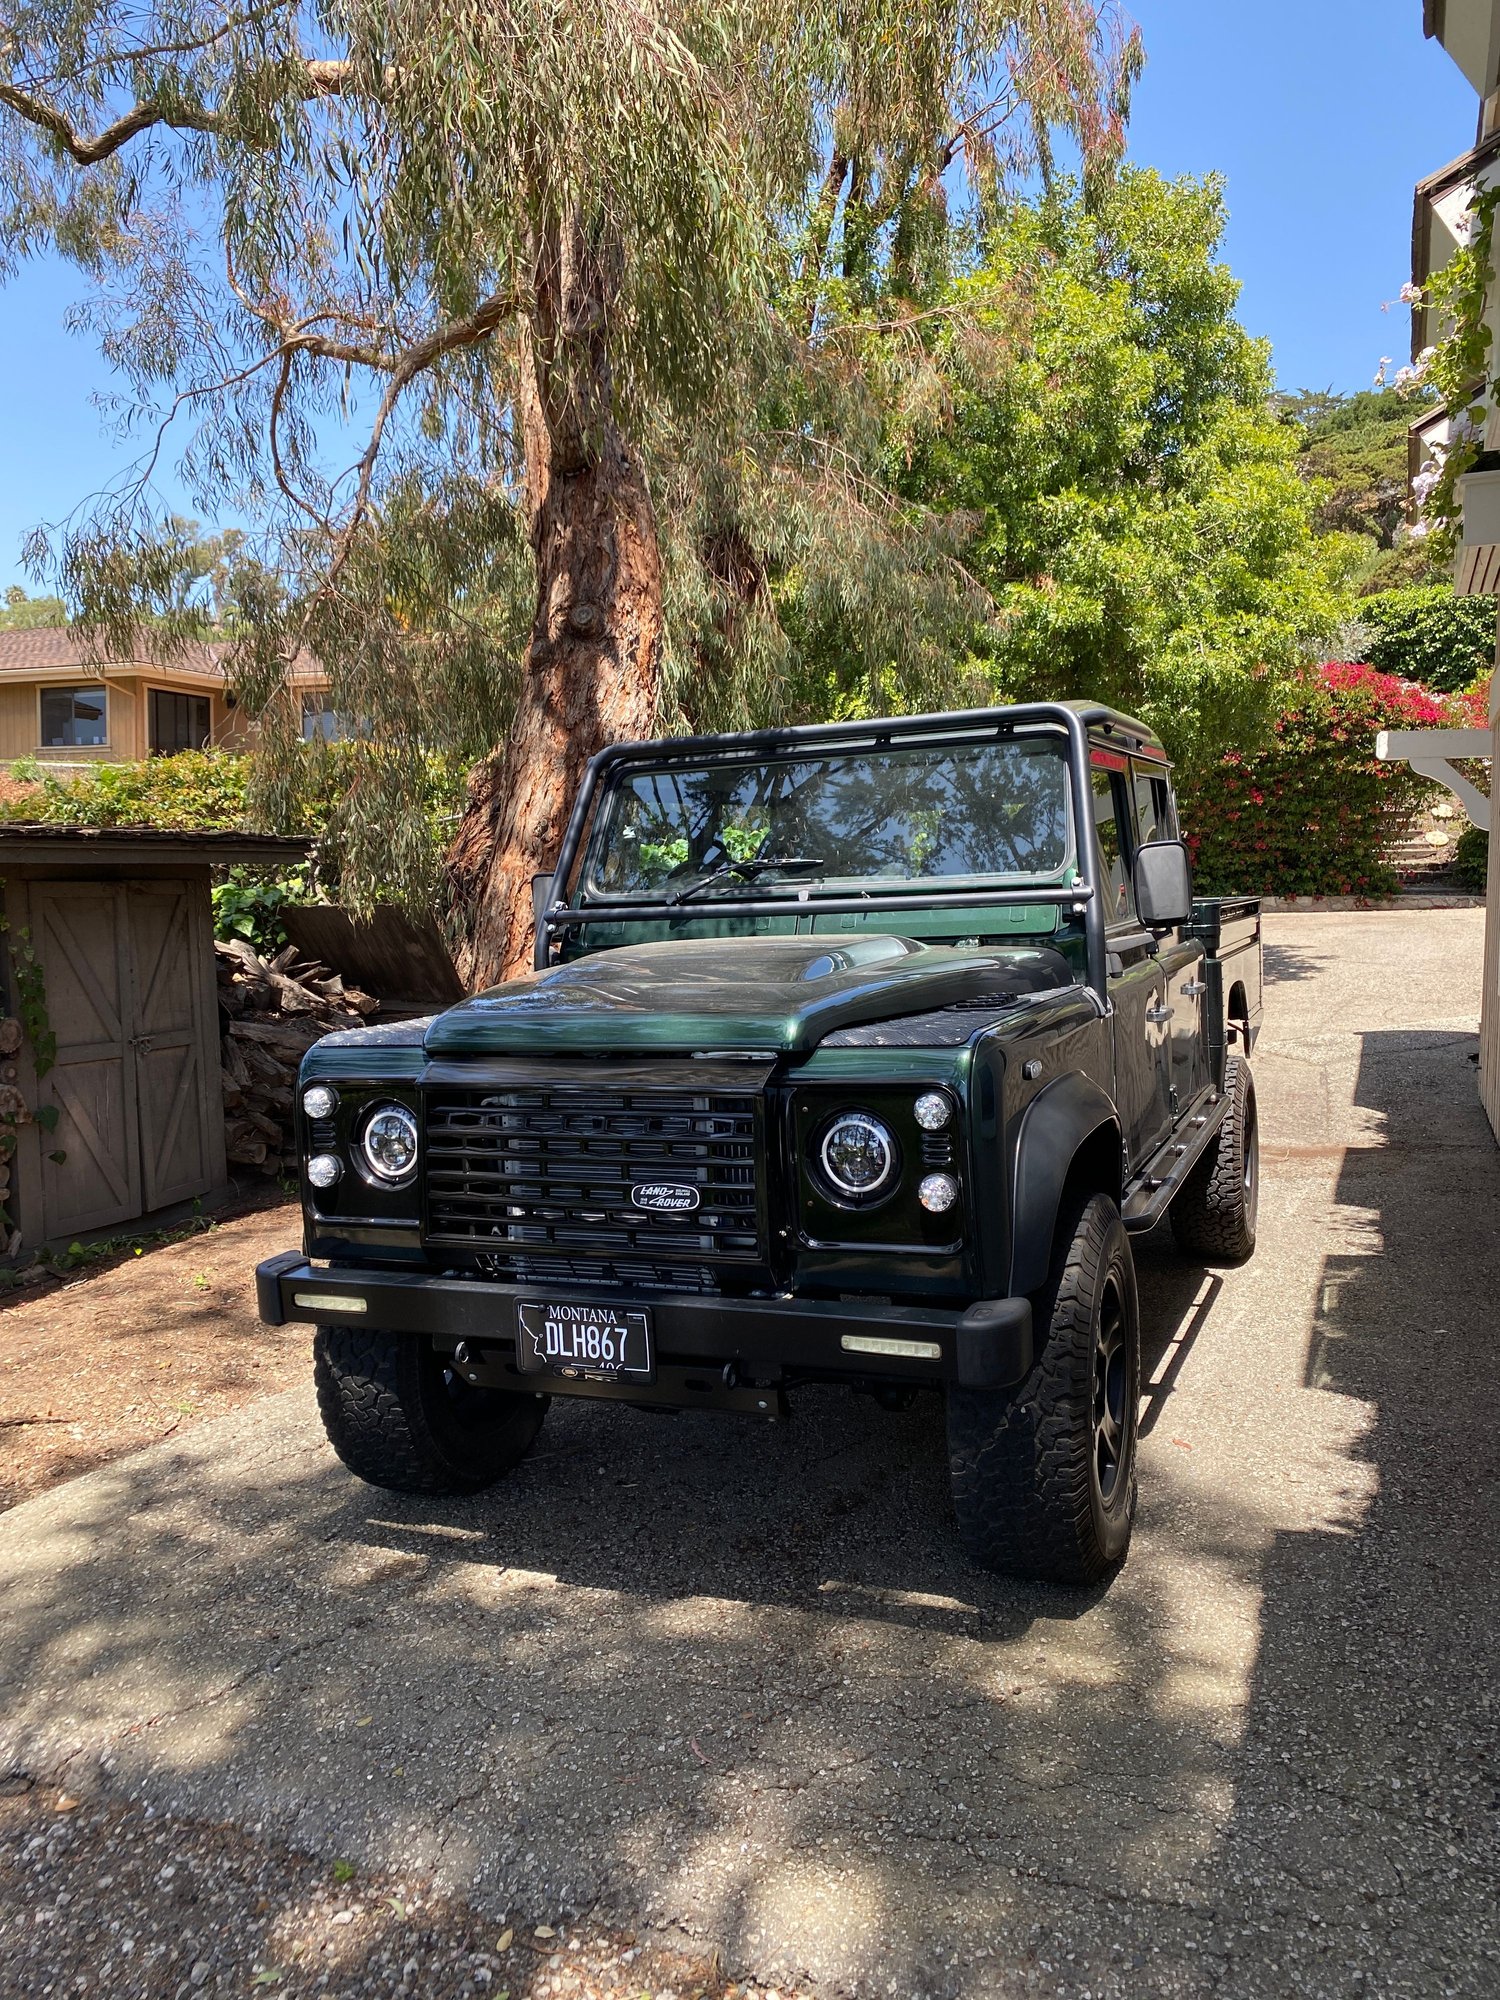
[933,1110]
[389,1142]
[323,1169]
[858,1155]
[318,1101]
[938,1193]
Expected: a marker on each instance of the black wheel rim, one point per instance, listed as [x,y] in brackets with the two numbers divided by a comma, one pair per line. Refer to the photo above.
[1111,1414]
[1252,1166]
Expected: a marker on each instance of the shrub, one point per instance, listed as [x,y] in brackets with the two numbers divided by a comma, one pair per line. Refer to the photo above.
[248,905]
[1314,814]
[1471,859]
[197,790]
[1429,635]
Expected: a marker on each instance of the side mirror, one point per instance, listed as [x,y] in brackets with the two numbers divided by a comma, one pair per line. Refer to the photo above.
[1163,885]
[541,897]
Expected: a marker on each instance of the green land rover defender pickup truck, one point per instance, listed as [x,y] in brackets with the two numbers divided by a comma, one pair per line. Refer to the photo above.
[853,1053]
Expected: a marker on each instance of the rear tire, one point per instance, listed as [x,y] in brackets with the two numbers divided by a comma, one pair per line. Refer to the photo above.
[398,1415]
[1213,1217]
[1043,1475]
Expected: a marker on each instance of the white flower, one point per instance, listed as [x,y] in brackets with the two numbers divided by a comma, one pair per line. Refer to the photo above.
[1412,295]
[1424,483]
[1385,362]
[1425,357]
[1420,530]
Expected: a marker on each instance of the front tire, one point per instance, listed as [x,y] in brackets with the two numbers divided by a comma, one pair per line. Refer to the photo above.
[398,1415]
[1043,1475]
[1213,1218]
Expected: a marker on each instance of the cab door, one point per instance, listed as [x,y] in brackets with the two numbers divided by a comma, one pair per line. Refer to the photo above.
[1181,958]
[1137,982]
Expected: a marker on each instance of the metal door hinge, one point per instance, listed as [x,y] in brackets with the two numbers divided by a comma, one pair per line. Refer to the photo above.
[1191,989]
[1158,1014]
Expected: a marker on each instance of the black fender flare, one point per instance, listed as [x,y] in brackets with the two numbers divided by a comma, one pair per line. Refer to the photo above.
[1056,1122]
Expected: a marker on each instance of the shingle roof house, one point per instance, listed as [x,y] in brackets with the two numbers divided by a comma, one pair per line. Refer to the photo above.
[61,705]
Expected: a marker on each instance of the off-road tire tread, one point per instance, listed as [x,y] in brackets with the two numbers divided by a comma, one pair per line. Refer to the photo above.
[367,1387]
[1018,1458]
[1210,1218]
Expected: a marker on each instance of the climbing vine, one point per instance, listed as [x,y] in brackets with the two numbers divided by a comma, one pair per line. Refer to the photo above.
[1458,366]
[33,1025]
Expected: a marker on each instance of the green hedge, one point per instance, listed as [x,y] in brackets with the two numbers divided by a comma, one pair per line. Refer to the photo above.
[1312,813]
[1427,634]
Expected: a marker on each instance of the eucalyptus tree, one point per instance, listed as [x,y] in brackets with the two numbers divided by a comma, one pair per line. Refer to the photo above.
[509,242]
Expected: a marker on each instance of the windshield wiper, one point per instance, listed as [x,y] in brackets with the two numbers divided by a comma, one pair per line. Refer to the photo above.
[747,871]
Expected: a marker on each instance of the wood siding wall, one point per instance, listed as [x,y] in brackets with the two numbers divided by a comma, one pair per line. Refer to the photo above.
[129,721]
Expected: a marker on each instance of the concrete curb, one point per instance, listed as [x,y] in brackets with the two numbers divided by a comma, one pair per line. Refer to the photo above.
[1416,899]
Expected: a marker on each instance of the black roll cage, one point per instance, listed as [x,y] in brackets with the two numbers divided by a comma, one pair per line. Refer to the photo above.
[972,726]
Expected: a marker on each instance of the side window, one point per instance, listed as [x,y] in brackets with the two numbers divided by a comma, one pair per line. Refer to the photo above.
[1153,807]
[1110,805]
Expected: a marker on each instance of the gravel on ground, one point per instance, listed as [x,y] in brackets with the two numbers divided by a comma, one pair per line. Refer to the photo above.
[118,1899]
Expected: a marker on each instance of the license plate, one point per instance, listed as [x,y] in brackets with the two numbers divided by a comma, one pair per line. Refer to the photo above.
[560,1338]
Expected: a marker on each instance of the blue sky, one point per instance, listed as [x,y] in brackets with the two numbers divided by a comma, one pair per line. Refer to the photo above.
[1320,113]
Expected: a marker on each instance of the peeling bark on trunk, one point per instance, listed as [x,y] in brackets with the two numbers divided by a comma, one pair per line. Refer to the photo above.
[591,668]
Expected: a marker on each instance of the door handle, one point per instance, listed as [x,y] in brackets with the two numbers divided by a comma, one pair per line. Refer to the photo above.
[1156,1015]
[1191,988]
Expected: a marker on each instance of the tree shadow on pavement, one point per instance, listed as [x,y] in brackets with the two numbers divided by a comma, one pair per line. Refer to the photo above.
[736,1683]
[1369,1784]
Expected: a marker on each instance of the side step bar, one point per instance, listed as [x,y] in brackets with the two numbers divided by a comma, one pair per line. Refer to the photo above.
[1170,1166]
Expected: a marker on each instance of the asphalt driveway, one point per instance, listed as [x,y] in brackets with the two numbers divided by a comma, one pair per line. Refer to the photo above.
[735,1685]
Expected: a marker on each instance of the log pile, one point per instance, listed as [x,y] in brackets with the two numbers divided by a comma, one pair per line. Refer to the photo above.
[272,1011]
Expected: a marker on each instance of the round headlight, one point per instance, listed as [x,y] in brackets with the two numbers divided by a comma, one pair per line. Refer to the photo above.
[933,1110]
[938,1193]
[318,1101]
[389,1142]
[323,1169]
[858,1155]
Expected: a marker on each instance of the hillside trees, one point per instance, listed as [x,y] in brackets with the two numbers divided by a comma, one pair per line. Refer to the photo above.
[530,250]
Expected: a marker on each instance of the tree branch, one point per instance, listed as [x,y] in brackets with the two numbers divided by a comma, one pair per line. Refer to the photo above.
[321,79]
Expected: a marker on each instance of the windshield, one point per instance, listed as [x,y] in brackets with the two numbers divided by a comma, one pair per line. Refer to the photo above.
[923,814]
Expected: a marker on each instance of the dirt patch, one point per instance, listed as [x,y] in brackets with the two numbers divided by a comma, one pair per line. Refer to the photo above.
[101,1362]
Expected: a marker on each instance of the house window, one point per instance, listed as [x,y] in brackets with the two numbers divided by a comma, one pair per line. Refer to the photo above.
[74,718]
[322,724]
[178,721]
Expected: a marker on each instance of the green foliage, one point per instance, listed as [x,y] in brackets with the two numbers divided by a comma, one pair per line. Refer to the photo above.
[26,771]
[1355,448]
[1097,419]
[1471,860]
[31,1009]
[1430,635]
[248,903]
[1458,366]
[1313,813]
[195,790]
[25,614]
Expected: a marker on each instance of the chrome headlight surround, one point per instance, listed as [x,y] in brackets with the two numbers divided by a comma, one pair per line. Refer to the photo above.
[388,1144]
[854,1141]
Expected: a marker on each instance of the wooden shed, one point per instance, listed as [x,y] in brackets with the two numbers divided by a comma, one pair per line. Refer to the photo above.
[108,947]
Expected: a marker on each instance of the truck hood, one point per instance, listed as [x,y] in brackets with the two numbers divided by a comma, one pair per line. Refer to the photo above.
[697,994]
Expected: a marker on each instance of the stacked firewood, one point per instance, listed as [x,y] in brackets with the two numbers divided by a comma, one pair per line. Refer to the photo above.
[272,1011]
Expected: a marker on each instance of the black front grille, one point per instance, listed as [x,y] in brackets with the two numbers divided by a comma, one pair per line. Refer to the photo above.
[544,1180]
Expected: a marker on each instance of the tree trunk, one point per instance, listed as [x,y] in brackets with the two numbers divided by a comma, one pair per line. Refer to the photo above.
[592,663]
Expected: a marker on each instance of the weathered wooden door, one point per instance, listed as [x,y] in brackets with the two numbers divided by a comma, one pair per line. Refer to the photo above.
[128,995]
[165,964]
[91,1159]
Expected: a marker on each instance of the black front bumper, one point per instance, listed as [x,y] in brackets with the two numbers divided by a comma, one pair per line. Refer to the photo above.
[709,1349]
